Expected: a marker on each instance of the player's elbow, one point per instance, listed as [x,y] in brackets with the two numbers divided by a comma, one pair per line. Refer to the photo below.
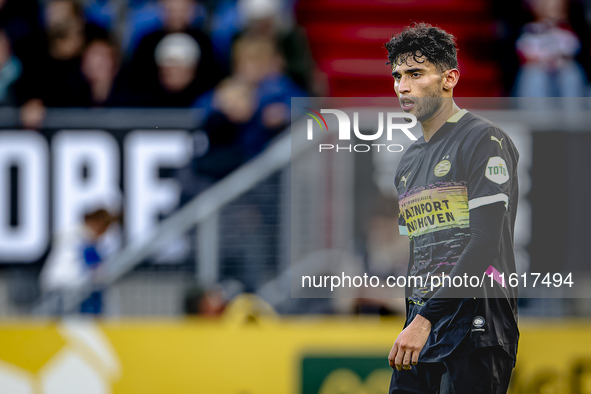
[494,250]
[491,245]
[488,246]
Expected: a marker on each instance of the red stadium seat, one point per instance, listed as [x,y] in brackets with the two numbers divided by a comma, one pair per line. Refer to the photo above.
[347,39]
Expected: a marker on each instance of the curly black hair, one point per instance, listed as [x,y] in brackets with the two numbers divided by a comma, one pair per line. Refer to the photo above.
[422,39]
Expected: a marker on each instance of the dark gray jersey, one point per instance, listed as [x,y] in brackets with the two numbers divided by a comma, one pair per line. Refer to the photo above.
[469,162]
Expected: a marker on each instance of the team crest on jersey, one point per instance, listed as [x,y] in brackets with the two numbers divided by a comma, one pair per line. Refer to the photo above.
[442,168]
[496,170]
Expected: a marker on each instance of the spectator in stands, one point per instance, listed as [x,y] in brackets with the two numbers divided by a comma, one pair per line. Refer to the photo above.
[257,61]
[223,25]
[548,48]
[220,144]
[509,20]
[234,104]
[146,16]
[213,301]
[75,255]
[267,19]
[10,71]
[63,12]
[242,114]
[20,20]
[100,69]
[101,13]
[56,80]
[145,74]
[60,82]
[179,78]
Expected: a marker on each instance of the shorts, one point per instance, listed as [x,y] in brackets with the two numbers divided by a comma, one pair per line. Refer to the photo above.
[486,370]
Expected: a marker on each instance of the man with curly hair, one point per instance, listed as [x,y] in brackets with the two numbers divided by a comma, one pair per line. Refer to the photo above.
[458,191]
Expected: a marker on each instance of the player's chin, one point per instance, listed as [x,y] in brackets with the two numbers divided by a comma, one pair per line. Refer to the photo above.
[408,110]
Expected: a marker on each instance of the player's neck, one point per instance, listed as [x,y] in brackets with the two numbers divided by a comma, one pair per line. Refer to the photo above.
[434,123]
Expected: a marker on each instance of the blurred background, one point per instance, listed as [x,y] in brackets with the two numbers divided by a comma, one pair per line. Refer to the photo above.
[153,205]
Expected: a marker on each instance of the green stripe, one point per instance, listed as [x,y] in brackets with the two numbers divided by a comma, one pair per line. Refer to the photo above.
[316,119]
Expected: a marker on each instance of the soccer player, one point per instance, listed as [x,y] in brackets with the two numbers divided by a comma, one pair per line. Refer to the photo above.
[457,188]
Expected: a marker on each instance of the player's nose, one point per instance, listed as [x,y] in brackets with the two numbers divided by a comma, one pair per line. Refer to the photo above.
[403,85]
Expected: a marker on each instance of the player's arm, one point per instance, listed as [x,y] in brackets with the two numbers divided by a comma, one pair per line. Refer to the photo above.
[486,224]
[411,340]
[486,227]
[489,167]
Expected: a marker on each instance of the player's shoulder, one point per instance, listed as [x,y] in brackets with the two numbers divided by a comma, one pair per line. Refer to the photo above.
[476,128]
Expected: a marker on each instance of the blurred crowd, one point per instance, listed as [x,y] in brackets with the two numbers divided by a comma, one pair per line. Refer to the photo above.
[241,60]
[544,47]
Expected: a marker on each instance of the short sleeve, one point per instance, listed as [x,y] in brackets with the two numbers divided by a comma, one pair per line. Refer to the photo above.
[489,164]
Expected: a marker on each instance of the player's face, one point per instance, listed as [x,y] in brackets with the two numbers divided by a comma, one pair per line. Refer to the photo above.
[418,79]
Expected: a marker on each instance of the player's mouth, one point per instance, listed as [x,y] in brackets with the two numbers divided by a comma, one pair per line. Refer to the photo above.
[406,104]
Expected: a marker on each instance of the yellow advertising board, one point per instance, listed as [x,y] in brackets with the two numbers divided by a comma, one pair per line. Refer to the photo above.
[263,355]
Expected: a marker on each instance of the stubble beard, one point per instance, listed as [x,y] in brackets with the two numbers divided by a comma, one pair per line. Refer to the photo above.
[428,106]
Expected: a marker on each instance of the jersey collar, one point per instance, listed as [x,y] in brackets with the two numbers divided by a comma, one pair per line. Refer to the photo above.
[457,116]
[444,129]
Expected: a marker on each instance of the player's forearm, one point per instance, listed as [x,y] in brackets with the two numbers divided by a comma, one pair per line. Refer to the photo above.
[486,223]
[421,323]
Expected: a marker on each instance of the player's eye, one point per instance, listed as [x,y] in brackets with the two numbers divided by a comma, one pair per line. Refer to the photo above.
[397,77]
[416,75]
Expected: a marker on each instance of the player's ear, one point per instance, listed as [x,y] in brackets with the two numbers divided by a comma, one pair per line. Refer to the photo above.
[450,79]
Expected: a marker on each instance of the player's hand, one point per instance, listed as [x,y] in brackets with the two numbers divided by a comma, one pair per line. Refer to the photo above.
[409,344]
